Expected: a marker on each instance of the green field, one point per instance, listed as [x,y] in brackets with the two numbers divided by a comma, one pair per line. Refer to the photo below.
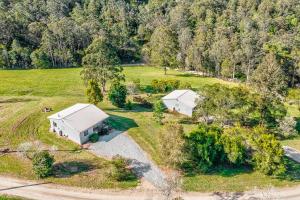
[24,93]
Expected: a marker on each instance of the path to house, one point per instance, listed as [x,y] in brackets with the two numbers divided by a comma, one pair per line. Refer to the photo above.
[41,191]
[292,153]
[119,143]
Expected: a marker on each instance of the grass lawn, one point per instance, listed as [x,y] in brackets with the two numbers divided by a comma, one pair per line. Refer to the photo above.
[5,197]
[24,93]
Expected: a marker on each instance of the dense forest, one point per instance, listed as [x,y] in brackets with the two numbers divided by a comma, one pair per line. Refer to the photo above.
[224,38]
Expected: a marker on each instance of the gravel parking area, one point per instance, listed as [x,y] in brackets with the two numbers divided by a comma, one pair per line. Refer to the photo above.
[119,143]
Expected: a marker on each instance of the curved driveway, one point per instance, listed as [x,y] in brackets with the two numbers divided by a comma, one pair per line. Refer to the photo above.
[119,143]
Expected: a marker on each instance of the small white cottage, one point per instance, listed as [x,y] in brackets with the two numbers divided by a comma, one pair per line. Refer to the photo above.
[78,122]
[182,101]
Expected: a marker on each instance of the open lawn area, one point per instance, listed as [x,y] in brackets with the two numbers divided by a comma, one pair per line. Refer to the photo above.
[24,93]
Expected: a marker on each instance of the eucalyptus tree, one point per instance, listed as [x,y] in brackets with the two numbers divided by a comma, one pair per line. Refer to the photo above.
[101,63]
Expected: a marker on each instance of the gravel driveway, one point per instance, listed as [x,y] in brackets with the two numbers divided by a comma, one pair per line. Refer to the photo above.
[119,143]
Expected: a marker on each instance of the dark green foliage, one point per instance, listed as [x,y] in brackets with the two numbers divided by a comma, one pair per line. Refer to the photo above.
[128,105]
[121,171]
[209,147]
[42,164]
[117,94]
[94,137]
[94,92]
[218,38]
[204,147]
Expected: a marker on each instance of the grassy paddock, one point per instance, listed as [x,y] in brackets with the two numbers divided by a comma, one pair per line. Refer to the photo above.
[24,93]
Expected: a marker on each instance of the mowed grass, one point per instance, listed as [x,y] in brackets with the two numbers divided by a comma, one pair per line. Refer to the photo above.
[24,93]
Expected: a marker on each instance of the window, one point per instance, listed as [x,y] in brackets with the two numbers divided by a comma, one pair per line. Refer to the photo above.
[54,124]
[85,133]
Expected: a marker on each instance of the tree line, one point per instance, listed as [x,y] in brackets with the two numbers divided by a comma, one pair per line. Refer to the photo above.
[223,38]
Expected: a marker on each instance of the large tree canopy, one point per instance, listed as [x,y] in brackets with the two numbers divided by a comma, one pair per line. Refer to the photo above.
[228,39]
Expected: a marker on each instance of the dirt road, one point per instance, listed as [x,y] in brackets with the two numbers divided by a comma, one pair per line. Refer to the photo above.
[42,191]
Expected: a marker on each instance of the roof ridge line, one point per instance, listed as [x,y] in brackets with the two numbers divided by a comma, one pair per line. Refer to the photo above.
[76,111]
[182,94]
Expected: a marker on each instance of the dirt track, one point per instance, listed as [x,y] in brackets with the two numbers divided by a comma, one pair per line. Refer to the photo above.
[42,191]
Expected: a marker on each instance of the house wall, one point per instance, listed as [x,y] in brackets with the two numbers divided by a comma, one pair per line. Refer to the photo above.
[84,139]
[66,130]
[179,107]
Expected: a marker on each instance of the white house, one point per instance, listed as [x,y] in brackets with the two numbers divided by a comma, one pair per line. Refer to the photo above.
[182,101]
[78,122]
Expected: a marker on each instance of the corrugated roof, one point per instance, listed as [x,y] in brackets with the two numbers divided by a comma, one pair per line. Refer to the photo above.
[81,116]
[187,97]
[175,94]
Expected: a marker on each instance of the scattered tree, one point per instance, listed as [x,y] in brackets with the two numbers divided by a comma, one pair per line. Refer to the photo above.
[94,92]
[42,164]
[158,111]
[117,94]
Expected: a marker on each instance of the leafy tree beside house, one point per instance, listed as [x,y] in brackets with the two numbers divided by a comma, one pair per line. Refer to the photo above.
[94,93]
[101,63]
[42,164]
[117,94]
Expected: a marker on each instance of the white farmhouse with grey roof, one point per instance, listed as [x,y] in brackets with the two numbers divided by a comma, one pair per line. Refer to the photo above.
[78,122]
[182,101]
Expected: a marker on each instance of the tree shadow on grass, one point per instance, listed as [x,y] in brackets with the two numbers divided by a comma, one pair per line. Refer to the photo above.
[224,171]
[70,168]
[17,100]
[136,108]
[121,123]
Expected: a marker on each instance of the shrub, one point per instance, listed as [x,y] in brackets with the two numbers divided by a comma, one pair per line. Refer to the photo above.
[287,127]
[165,85]
[117,94]
[143,102]
[268,153]
[42,164]
[233,140]
[172,143]
[158,112]
[128,105]
[185,85]
[94,138]
[204,147]
[120,171]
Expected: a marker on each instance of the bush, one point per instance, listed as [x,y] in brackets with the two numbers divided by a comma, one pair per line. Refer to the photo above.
[143,102]
[185,85]
[117,94]
[128,105]
[120,171]
[204,147]
[268,154]
[287,128]
[165,85]
[94,138]
[234,144]
[158,112]
[172,144]
[42,164]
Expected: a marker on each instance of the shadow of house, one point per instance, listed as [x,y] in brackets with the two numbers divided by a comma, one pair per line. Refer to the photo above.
[121,123]
[136,108]
[70,168]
